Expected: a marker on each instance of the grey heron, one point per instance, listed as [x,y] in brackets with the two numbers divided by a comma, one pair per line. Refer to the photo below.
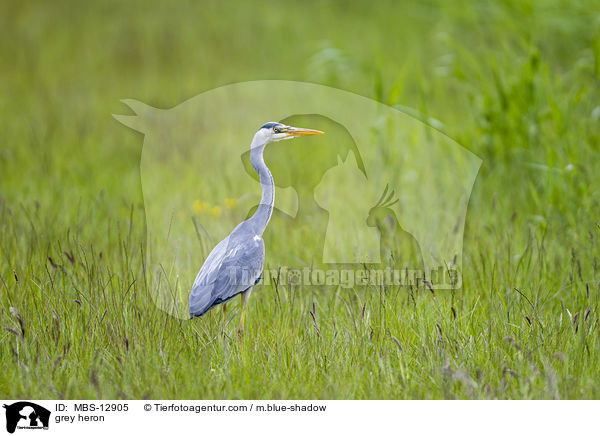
[236,263]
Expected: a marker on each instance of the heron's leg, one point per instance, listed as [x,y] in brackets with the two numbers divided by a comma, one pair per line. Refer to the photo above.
[224,317]
[245,298]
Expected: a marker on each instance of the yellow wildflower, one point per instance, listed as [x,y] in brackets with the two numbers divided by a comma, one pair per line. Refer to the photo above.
[201,206]
[230,202]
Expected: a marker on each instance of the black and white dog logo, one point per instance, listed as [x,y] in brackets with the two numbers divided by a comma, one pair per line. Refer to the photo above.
[26,415]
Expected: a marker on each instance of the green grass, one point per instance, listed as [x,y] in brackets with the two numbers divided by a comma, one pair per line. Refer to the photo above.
[517,83]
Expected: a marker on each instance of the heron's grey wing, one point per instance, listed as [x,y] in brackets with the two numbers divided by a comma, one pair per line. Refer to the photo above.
[240,270]
[235,266]
[210,267]
[200,297]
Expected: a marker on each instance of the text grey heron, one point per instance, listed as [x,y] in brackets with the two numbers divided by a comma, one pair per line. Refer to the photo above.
[235,265]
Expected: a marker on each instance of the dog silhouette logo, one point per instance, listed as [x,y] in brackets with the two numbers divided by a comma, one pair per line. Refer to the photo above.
[26,415]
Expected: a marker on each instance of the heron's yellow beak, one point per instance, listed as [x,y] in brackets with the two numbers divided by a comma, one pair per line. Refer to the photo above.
[297,131]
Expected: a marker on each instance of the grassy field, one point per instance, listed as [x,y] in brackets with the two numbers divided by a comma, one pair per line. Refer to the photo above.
[516,83]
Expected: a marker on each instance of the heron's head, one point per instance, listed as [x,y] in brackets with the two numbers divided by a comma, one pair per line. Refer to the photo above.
[272,132]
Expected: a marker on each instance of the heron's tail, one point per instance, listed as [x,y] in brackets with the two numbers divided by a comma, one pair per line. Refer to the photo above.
[200,300]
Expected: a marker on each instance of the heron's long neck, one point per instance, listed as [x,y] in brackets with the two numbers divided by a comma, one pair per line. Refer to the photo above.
[263,214]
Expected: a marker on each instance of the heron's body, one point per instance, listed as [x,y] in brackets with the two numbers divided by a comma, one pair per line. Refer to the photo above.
[232,267]
[235,265]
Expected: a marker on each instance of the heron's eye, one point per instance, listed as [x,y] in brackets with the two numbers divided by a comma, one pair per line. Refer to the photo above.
[276,130]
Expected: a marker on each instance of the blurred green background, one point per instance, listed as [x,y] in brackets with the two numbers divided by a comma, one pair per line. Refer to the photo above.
[515,82]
